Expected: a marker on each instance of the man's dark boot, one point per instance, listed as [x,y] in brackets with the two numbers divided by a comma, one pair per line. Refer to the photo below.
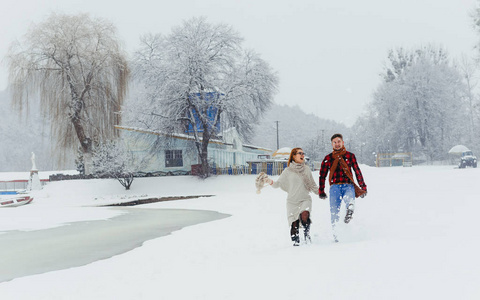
[349,214]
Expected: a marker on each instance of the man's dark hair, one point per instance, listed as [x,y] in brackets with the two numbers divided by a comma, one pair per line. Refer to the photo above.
[337,135]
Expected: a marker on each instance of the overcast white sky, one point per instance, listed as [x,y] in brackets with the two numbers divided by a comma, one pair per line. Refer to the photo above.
[328,54]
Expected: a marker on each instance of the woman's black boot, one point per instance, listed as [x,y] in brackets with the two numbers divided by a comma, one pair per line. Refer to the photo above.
[294,233]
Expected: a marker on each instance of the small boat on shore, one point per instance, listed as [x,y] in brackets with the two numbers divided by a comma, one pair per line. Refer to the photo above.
[15,201]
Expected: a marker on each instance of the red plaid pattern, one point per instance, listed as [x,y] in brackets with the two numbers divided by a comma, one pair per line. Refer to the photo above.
[339,176]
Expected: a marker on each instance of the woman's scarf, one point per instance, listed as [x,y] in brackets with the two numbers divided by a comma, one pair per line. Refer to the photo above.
[338,158]
[302,170]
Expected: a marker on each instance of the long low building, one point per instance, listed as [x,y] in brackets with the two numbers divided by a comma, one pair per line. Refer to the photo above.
[157,151]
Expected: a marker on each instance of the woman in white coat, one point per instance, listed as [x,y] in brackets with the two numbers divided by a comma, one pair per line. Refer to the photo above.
[297,181]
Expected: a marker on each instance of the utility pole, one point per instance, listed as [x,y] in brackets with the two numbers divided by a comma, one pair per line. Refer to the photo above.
[278,147]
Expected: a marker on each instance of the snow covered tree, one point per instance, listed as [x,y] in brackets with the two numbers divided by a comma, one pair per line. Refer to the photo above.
[80,162]
[401,59]
[195,75]
[112,159]
[76,65]
[469,71]
[419,105]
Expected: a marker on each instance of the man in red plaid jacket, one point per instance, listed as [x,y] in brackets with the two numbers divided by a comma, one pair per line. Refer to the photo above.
[341,187]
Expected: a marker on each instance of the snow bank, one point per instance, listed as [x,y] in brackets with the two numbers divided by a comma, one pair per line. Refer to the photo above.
[412,237]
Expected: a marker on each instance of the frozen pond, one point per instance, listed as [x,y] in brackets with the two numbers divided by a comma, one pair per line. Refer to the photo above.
[24,253]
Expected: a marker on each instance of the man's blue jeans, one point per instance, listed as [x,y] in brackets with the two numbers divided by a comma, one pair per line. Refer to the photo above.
[339,192]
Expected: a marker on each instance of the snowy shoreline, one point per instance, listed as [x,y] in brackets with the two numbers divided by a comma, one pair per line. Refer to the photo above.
[93,240]
[414,231]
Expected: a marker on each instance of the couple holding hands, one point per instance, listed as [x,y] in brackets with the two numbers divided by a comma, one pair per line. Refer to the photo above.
[298,182]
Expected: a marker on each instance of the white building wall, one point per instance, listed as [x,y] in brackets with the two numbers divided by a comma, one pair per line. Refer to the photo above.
[222,155]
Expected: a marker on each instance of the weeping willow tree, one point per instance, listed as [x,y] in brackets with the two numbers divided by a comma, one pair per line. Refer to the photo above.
[77,67]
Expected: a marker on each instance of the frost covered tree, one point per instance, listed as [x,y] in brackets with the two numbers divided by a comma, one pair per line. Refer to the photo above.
[112,159]
[401,59]
[420,104]
[76,65]
[196,74]
[469,71]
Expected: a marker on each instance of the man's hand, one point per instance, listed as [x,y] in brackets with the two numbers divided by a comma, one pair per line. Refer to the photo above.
[322,196]
[363,196]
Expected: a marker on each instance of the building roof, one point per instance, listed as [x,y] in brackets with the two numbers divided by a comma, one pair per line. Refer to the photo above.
[184,137]
[282,153]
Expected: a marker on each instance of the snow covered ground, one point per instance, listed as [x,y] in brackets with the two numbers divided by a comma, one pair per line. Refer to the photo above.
[415,236]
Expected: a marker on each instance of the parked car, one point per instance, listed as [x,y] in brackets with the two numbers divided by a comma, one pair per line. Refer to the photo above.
[468,160]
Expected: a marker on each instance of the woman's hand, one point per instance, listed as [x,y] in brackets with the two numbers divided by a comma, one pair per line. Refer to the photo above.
[261,180]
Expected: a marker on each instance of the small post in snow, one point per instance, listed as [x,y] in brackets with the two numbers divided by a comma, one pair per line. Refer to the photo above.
[34,181]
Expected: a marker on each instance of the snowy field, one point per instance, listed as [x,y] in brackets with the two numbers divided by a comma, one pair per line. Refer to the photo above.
[415,236]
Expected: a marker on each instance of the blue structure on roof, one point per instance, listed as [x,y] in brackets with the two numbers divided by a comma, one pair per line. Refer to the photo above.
[211,112]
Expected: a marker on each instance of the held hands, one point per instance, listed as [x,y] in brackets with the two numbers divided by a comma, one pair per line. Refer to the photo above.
[363,195]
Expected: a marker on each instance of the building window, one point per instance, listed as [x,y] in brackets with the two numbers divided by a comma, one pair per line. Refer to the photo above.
[173,158]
